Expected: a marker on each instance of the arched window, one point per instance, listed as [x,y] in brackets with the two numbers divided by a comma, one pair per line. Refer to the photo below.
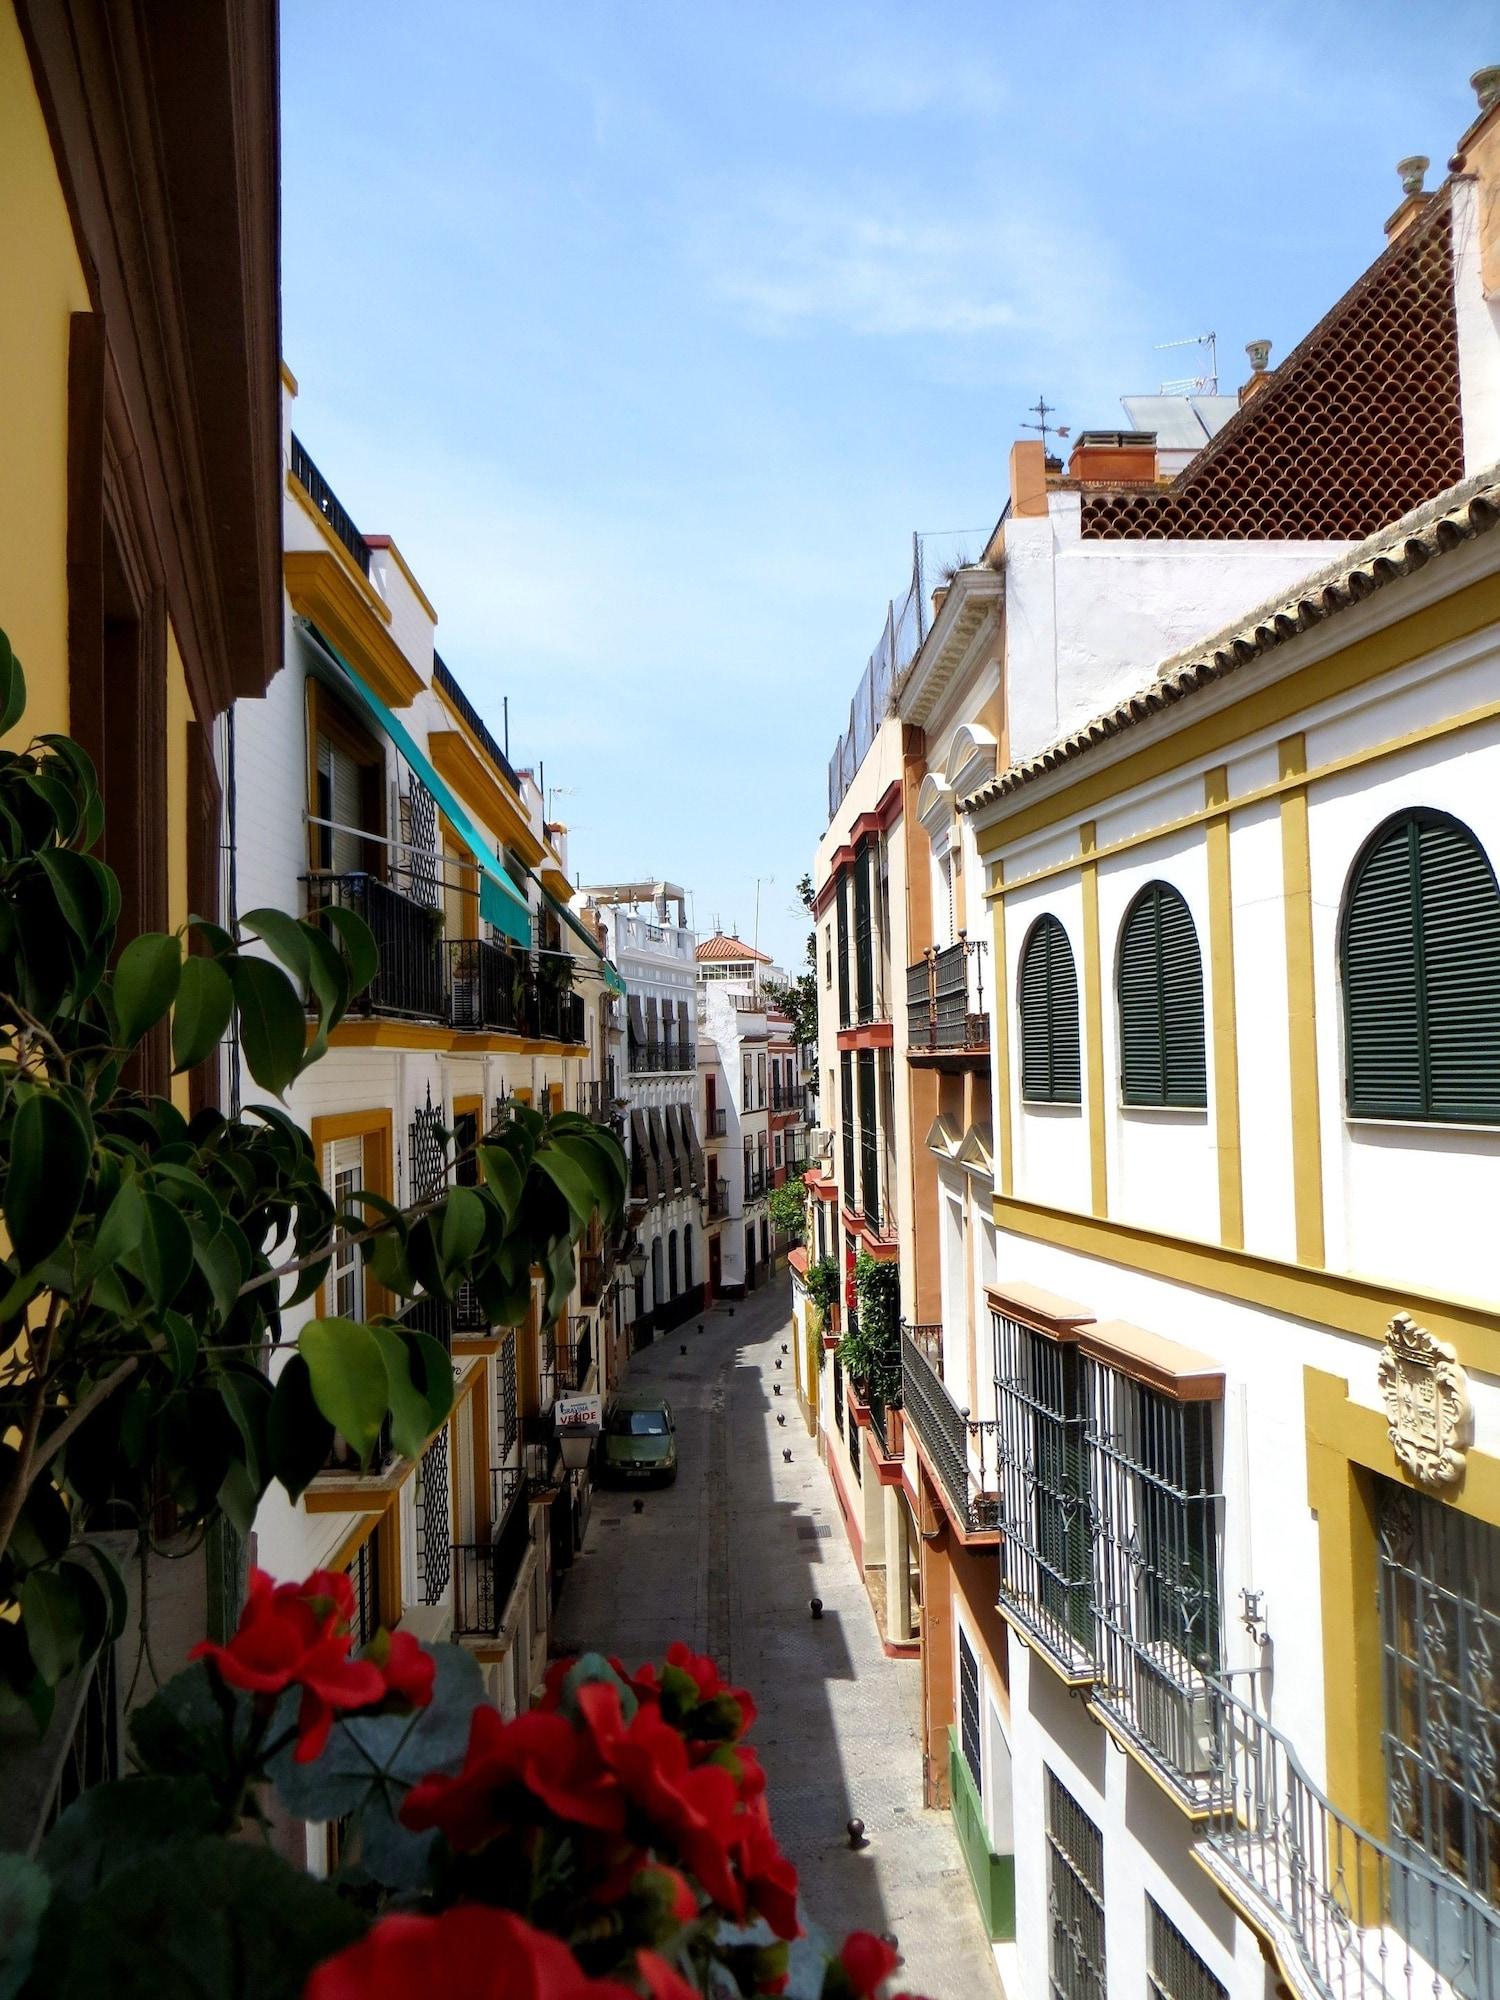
[1419,947]
[1051,1071]
[1162,1055]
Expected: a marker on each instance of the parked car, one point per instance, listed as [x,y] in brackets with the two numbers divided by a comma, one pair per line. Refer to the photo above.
[640,1438]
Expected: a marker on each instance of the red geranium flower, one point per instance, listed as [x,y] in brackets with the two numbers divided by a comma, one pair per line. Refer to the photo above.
[539,1753]
[296,1635]
[468,1953]
[408,1668]
[663,1981]
[868,1961]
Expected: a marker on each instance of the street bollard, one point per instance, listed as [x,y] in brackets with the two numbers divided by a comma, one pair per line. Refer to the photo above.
[639,1506]
[856,1833]
[780,1417]
[787,1455]
[816,1607]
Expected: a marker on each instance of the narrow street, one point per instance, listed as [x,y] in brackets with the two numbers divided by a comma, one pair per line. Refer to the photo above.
[728,1560]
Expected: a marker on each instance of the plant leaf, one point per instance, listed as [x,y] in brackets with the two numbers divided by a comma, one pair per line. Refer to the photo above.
[298,1435]
[358,941]
[205,1001]
[49,1167]
[347,1372]
[273,1027]
[463,1228]
[145,983]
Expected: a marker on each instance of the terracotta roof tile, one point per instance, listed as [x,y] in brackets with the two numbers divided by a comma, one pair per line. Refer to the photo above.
[721,947]
[1358,424]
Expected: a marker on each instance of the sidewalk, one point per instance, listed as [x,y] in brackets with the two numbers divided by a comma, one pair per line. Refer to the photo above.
[728,1560]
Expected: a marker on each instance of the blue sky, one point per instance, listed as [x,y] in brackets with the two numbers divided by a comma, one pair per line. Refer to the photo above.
[652,332]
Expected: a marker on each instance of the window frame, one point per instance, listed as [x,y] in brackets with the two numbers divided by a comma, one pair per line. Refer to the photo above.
[1161,892]
[1409,822]
[1044,927]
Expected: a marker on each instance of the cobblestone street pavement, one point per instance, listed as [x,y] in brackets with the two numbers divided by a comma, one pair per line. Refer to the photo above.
[728,1559]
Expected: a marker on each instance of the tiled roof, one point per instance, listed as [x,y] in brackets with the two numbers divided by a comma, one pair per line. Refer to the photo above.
[1357,425]
[1447,522]
[721,947]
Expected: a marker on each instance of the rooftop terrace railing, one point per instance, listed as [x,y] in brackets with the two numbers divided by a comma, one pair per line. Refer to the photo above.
[328,505]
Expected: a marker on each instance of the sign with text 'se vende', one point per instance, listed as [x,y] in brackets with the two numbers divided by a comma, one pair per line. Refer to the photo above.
[579,1415]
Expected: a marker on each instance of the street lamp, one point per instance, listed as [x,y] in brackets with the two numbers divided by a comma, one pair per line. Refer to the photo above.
[576,1446]
[635,1259]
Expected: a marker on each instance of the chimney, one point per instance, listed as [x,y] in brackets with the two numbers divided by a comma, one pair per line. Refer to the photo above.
[1114,458]
[1028,478]
[1261,371]
[1413,193]
[1478,156]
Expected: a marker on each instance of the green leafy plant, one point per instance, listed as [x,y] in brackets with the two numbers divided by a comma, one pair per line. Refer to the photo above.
[870,1351]
[787,1209]
[150,1257]
[822,1283]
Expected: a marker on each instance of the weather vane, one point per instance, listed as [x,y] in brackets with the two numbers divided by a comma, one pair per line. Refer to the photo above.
[1044,409]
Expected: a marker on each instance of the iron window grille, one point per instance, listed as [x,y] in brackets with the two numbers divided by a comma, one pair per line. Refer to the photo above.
[838,1393]
[434,1539]
[364,1577]
[1051,1066]
[507,1405]
[1175,1971]
[856,1461]
[970,1741]
[1046,1514]
[1439,1576]
[1163,1058]
[1420,957]
[426,1152]
[1156,1516]
[843,948]
[1075,1898]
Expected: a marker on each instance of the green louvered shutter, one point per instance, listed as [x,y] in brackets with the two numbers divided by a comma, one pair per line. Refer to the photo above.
[1421,966]
[1163,1059]
[1051,1068]
[1383,981]
[1461,963]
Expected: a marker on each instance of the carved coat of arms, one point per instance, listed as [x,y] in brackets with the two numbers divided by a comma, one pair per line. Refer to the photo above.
[1427,1406]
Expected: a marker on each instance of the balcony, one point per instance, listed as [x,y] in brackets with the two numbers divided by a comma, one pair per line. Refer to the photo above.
[960,1451]
[718,1198]
[326,501]
[443,679]
[488,987]
[718,1124]
[485,1573]
[573,1353]
[464,1319]
[947,1025]
[785,1096]
[558,1013]
[755,1183]
[410,981]
[653,1058]
[1348,1916]
[596,1098]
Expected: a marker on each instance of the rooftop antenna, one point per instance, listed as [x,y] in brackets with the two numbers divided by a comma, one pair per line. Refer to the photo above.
[1044,409]
[558,792]
[1206,384]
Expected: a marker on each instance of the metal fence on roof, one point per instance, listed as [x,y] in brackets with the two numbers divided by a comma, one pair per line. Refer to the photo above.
[934,558]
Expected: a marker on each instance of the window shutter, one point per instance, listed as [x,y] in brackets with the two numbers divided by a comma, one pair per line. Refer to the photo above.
[1051,1068]
[1461,962]
[1421,969]
[1163,1058]
[1382,981]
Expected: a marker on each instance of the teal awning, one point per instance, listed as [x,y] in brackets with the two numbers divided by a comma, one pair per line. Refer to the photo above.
[611,978]
[499,903]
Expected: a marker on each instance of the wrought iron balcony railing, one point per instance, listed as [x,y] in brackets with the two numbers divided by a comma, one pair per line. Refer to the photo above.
[960,1450]
[573,1353]
[326,501]
[410,979]
[485,1573]
[718,1198]
[945,999]
[1350,1917]
[488,987]
[648,1058]
[559,1013]
[450,687]
[755,1183]
[786,1096]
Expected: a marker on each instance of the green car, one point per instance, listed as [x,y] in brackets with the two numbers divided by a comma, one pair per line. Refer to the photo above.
[640,1439]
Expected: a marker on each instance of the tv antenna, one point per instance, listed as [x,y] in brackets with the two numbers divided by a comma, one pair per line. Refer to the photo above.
[1044,409]
[1206,384]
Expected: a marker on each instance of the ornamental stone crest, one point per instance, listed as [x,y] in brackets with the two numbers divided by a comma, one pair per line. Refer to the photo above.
[1427,1406]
